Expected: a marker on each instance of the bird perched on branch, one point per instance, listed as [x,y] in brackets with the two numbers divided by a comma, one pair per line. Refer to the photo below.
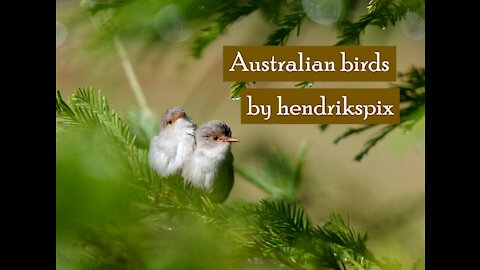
[175,143]
[210,167]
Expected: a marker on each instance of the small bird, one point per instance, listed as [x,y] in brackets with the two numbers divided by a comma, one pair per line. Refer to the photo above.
[174,144]
[210,167]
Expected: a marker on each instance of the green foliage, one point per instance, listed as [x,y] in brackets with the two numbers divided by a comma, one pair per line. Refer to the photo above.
[84,168]
[350,245]
[236,87]
[90,109]
[143,126]
[380,14]
[279,177]
[209,19]
[304,84]
[230,13]
[115,212]
[226,15]
[94,6]
[293,19]
[284,25]
[412,109]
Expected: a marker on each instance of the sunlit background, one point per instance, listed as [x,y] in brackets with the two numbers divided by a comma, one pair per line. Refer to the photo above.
[383,194]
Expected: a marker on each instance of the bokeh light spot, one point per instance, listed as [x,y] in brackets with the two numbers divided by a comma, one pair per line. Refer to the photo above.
[413,26]
[323,11]
[170,24]
[61,33]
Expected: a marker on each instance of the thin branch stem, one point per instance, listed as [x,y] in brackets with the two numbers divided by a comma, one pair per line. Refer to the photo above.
[131,77]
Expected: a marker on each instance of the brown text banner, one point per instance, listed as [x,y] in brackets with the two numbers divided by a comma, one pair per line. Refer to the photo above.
[309,63]
[320,106]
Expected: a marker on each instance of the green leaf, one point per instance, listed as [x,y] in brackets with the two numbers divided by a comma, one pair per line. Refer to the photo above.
[236,87]
[143,126]
[279,177]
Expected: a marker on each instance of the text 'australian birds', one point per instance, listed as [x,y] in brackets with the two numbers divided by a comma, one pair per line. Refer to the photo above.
[306,64]
[201,155]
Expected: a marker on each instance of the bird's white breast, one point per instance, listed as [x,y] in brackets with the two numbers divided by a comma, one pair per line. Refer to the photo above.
[170,150]
[202,168]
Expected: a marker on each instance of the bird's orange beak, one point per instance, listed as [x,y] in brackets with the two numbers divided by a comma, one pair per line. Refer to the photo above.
[228,139]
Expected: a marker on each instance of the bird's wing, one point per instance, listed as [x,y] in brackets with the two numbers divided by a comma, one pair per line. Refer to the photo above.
[223,184]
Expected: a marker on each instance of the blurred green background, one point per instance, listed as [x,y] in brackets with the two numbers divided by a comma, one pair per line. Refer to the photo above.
[383,194]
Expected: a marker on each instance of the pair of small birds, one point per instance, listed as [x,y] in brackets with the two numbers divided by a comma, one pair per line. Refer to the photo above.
[202,155]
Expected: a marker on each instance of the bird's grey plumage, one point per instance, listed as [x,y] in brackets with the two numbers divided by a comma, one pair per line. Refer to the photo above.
[174,144]
[210,167]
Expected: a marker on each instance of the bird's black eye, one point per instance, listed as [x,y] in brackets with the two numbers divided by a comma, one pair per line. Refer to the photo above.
[170,122]
[215,138]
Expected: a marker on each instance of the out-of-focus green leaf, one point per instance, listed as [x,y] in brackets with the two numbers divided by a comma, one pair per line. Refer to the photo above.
[92,183]
[280,176]
[143,126]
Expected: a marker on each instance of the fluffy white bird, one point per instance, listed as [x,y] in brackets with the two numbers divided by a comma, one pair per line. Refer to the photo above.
[210,167]
[175,143]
